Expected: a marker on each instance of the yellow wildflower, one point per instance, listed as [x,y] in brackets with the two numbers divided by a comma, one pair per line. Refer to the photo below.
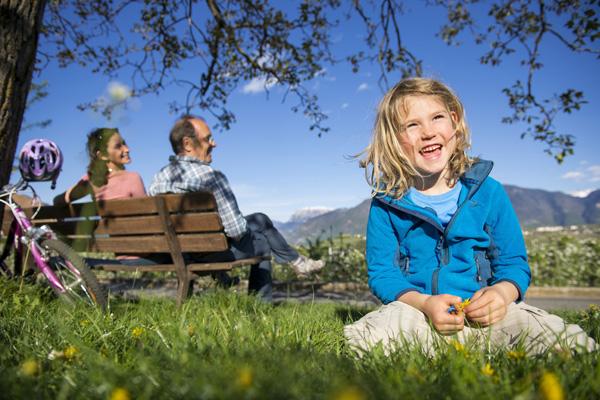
[190,330]
[487,370]
[30,368]
[516,354]
[120,394]
[458,346]
[84,322]
[550,388]
[459,307]
[350,393]
[245,377]
[70,352]
[137,332]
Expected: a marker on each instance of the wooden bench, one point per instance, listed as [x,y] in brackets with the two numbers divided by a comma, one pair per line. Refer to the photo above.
[171,224]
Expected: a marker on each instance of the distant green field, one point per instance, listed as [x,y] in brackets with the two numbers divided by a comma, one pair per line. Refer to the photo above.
[228,346]
[565,258]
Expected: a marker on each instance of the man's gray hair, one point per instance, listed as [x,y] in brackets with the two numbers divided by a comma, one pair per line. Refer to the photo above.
[183,128]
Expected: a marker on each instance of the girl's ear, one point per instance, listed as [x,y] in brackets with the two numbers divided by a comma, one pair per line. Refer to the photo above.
[454,117]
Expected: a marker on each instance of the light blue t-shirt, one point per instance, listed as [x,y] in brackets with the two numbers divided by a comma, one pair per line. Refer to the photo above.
[444,204]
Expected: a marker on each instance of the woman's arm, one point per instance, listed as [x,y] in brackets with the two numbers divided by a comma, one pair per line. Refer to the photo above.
[76,192]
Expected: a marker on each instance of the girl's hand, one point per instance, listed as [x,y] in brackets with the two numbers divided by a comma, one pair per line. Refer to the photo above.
[489,304]
[436,309]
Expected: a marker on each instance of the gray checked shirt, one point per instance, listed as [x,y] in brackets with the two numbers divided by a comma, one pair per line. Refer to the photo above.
[188,174]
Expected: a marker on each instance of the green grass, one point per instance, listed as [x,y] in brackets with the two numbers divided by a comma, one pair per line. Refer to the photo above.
[223,346]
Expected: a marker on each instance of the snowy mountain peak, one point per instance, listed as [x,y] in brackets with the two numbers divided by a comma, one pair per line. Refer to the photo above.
[307,213]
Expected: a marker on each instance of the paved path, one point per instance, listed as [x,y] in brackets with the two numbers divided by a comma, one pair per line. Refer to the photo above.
[352,294]
[561,303]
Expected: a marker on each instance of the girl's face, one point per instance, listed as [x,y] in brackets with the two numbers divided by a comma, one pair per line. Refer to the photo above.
[428,135]
[117,151]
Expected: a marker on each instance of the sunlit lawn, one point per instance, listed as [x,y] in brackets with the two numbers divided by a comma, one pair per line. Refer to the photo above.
[228,346]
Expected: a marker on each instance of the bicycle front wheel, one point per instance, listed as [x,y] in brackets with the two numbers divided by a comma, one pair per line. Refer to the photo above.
[79,282]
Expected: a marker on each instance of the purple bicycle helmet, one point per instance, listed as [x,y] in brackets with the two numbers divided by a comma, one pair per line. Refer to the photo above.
[40,160]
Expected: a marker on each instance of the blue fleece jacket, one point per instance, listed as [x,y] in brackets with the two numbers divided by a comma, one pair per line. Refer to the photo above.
[408,249]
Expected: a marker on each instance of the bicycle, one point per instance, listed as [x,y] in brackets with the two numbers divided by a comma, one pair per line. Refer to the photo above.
[67,273]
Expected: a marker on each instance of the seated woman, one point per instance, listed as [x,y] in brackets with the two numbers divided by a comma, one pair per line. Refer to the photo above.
[106,177]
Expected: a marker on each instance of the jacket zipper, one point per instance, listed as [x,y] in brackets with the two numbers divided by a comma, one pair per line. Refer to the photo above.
[478,265]
[441,247]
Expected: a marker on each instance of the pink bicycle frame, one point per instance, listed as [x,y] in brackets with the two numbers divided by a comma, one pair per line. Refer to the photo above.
[21,225]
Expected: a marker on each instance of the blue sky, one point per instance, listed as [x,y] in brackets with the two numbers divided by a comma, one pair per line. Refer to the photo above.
[276,165]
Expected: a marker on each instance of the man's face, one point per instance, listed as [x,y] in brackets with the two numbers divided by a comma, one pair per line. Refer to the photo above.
[203,150]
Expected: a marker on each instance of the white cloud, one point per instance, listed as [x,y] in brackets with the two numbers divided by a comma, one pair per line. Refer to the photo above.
[586,174]
[594,170]
[118,91]
[362,87]
[572,175]
[321,72]
[258,85]
[344,106]
[581,193]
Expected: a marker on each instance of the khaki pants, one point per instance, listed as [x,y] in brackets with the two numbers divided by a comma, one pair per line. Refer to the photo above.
[397,324]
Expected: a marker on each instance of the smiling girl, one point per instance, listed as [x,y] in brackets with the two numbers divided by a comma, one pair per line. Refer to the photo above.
[106,177]
[440,232]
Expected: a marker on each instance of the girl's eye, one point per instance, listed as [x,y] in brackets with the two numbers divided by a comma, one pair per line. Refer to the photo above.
[439,116]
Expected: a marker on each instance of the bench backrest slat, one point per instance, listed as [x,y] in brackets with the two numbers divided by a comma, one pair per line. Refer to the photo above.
[205,242]
[134,225]
[144,225]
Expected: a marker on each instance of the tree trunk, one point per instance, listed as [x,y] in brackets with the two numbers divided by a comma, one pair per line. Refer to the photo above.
[20,24]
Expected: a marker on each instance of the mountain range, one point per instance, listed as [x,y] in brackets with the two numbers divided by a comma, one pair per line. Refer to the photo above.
[534,207]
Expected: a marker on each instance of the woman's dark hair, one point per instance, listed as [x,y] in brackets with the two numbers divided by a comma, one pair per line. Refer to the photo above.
[97,146]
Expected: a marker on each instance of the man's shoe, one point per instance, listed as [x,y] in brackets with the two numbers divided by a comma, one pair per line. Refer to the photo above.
[224,280]
[304,265]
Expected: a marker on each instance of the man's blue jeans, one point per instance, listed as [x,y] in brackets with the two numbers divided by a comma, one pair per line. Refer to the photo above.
[261,239]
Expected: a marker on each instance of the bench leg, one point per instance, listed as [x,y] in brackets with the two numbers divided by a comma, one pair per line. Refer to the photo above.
[184,290]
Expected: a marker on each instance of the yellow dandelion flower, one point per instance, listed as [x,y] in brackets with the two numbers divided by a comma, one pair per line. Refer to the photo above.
[191,330]
[30,367]
[459,307]
[245,377]
[137,332]
[350,393]
[458,346]
[516,354]
[70,352]
[550,387]
[120,394]
[487,370]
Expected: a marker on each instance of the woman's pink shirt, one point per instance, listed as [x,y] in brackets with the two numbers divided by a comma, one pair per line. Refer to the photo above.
[121,185]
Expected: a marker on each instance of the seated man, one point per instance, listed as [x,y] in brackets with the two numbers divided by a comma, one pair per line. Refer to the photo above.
[254,235]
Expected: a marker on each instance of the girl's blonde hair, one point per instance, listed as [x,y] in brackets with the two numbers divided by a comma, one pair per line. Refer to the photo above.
[387,169]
